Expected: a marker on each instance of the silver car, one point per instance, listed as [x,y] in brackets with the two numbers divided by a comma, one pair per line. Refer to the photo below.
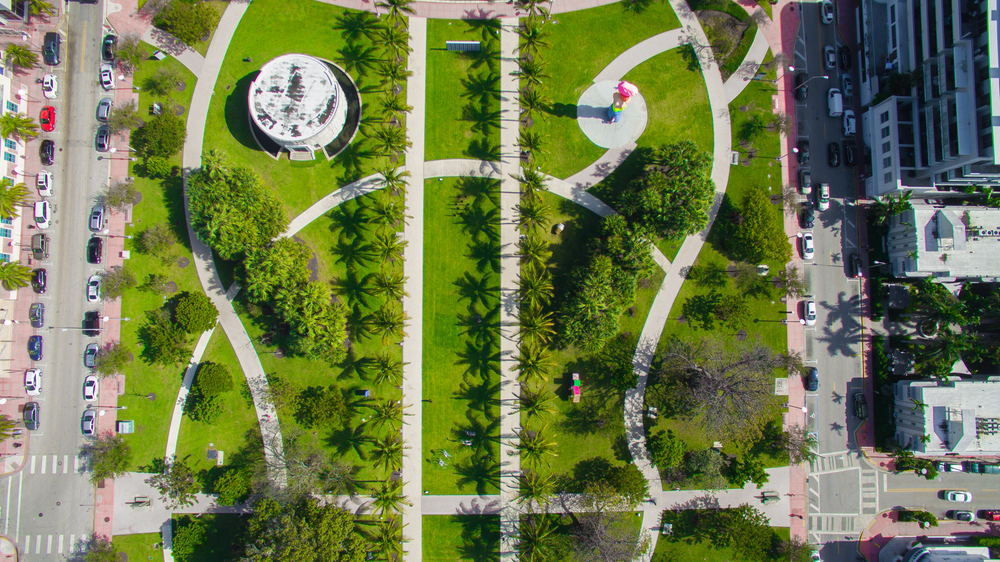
[89,423]
[97,218]
[104,109]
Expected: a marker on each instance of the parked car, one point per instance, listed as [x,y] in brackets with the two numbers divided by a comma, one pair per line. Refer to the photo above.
[860,406]
[991,515]
[103,142]
[88,425]
[94,288]
[834,102]
[90,355]
[803,154]
[812,379]
[850,153]
[965,516]
[833,154]
[810,312]
[983,468]
[41,212]
[801,88]
[805,182]
[38,280]
[47,118]
[107,77]
[44,183]
[808,248]
[50,48]
[958,496]
[829,57]
[108,47]
[90,388]
[847,83]
[850,124]
[40,246]
[47,152]
[826,10]
[856,270]
[824,196]
[95,249]
[50,86]
[845,58]
[97,218]
[104,109]
[808,217]
[35,348]
[92,324]
[33,382]
[31,414]
[36,314]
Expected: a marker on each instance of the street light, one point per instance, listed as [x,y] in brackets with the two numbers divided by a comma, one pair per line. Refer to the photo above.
[107,232]
[795,150]
[823,76]
[106,318]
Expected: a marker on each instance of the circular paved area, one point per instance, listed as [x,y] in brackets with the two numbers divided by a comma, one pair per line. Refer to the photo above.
[592,116]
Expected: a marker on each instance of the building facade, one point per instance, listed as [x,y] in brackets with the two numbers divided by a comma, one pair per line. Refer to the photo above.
[958,417]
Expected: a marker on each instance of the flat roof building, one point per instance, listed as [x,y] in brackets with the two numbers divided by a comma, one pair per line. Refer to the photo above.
[960,417]
[948,243]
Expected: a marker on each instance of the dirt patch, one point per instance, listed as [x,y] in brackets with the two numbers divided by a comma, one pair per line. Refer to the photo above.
[183,262]
[313,261]
[724,32]
[178,110]
[181,85]
[171,287]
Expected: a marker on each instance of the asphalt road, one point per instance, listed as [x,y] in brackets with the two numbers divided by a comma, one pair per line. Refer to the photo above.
[48,505]
[911,491]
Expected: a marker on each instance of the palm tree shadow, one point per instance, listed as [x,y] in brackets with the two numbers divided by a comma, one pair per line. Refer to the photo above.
[477,289]
[349,439]
[487,256]
[481,471]
[353,254]
[350,221]
[480,536]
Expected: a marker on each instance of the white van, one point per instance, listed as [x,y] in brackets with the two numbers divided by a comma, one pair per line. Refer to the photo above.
[835,102]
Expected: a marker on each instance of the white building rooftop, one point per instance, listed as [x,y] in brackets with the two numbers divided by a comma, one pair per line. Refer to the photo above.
[961,416]
[957,241]
[294,97]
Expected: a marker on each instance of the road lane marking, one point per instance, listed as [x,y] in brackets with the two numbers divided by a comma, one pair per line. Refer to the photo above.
[38,544]
[83,46]
[48,545]
[900,490]
[32,470]
[44,458]
[6,507]
[55,464]
[76,464]
[60,545]
[65,464]
[72,541]
[17,521]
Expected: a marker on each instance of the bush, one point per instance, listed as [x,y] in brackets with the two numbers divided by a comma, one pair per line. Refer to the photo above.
[189,22]
[232,487]
[321,407]
[666,449]
[195,313]
[162,136]
[158,167]
[189,536]
[213,379]
[202,408]
[918,517]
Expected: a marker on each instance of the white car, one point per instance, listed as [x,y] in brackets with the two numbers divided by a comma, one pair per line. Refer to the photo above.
[848,84]
[90,388]
[33,382]
[808,249]
[42,214]
[94,288]
[829,57]
[45,183]
[826,10]
[850,124]
[824,196]
[50,86]
[810,308]
[958,497]
[107,77]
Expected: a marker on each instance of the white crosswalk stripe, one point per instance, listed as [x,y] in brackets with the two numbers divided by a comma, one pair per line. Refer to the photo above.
[38,543]
[32,471]
[59,551]
[65,464]
[48,545]
[44,458]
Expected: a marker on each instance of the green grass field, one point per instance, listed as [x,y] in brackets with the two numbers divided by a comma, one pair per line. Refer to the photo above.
[138,547]
[461,537]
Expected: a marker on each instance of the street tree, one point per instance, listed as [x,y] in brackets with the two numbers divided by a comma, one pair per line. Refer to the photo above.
[176,482]
[12,198]
[129,53]
[114,281]
[110,456]
[112,359]
[162,136]
[124,117]
[20,56]
[18,125]
[13,276]
[119,195]
[38,7]
[888,206]
[801,444]
[302,531]
[7,427]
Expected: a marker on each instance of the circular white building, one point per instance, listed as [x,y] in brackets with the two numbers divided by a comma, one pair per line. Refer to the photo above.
[297,102]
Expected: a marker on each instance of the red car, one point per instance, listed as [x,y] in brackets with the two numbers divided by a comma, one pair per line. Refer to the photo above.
[48,118]
[991,515]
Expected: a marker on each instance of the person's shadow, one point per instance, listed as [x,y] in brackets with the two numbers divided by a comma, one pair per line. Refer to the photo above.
[591,112]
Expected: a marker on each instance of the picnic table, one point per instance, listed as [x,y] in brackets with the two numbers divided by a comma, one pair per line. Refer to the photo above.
[577,388]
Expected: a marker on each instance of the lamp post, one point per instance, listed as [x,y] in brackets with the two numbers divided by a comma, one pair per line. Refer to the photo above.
[795,150]
[104,409]
[107,232]
[823,76]
[106,318]
[121,78]
[113,150]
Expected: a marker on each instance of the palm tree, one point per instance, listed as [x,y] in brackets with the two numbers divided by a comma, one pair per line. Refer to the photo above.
[537,404]
[393,73]
[383,367]
[12,198]
[388,246]
[531,144]
[890,206]
[395,106]
[538,538]
[389,497]
[36,7]
[535,489]
[389,540]
[390,140]
[393,177]
[20,56]
[389,321]
[13,276]
[532,182]
[534,362]
[396,42]
[386,413]
[534,214]
[389,285]
[533,7]
[532,71]
[396,9]
[533,102]
[534,251]
[7,427]
[358,59]
[537,325]
[387,213]
[536,286]
[535,447]
[18,125]
[387,453]
[533,35]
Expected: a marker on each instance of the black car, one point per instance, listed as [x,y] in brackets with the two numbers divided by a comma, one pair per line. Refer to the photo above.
[92,324]
[47,152]
[850,153]
[95,249]
[856,266]
[50,48]
[860,406]
[801,88]
[90,355]
[844,54]
[108,47]
[833,154]
[808,217]
[38,280]
[103,138]
[35,348]
[36,314]
[31,414]
[812,380]
[803,153]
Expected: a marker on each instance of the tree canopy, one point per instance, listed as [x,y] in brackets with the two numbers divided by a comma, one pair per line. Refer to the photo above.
[110,457]
[162,136]
[195,313]
[761,234]
[302,531]
[232,210]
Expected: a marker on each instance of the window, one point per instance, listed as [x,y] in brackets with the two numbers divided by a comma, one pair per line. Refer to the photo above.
[11,106]
[887,177]
[886,162]
[885,132]
[4,258]
[886,147]
[884,117]
[5,233]
[12,158]
[10,144]
[8,222]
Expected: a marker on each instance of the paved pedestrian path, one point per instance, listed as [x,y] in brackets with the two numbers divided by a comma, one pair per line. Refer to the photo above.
[191,59]
[178,413]
[413,297]
[447,9]
[748,69]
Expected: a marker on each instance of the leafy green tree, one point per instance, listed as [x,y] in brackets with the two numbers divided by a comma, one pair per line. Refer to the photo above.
[158,167]
[176,482]
[110,457]
[733,310]
[100,549]
[20,56]
[191,22]
[281,264]
[162,136]
[761,235]
[231,208]
[158,240]
[233,486]
[129,53]
[704,467]
[750,533]
[319,326]
[12,197]
[302,531]
[114,281]
[748,469]
[190,535]
[112,359]
[321,407]
[213,379]
[13,276]
[591,314]
[163,342]
[674,194]
[119,195]
[195,313]
[162,82]
[666,449]
[202,407]
[125,117]
[18,125]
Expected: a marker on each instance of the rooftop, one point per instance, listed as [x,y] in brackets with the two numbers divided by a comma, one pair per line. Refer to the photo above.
[294,97]
[961,416]
[957,241]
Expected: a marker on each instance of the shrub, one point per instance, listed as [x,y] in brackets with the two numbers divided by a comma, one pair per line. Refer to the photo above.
[158,167]
[666,449]
[322,407]
[232,487]
[918,517]
[202,408]
[189,22]
[195,313]
[162,136]
[213,379]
